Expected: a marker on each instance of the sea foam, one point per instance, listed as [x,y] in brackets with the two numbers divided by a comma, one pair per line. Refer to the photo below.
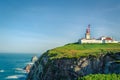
[2,71]
[31,63]
[20,70]
[16,77]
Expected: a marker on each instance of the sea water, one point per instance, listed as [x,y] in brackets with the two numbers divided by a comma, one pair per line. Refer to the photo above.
[12,64]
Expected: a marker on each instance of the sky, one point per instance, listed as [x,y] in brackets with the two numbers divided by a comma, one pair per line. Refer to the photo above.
[34,26]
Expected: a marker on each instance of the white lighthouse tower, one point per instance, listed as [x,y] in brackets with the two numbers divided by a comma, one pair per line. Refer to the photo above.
[87,34]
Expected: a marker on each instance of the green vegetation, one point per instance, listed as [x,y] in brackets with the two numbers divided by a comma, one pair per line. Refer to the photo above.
[101,77]
[75,50]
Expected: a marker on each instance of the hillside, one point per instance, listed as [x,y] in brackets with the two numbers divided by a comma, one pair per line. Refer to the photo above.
[75,50]
[73,61]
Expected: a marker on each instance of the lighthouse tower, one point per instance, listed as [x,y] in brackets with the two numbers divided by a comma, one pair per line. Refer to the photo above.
[87,34]
[88,38]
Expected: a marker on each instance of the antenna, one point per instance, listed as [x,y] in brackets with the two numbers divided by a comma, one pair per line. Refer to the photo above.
[88,28]
[89,25]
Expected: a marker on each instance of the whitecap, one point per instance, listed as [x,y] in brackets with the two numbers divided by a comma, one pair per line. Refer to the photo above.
[12,77]
[16,77]
[18,69]
[22,71]
[31,63]
[1,70]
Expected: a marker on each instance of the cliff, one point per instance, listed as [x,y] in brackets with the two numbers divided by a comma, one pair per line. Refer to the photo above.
[72,61]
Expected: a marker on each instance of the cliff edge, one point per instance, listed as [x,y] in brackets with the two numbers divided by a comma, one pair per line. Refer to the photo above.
[73,61]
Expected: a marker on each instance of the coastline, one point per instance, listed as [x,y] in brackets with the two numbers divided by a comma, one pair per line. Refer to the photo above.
[12,65]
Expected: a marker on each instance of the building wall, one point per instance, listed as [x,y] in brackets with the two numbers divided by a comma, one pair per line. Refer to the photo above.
[91,41]
[110,41]
[96,41]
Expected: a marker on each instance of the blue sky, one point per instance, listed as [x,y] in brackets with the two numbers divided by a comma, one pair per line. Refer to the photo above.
[34,26]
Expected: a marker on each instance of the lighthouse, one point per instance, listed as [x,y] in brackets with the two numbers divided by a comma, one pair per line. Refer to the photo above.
[87,34]
[102,39]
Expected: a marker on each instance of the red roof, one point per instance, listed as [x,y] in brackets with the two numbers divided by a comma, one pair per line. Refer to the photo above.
[108,38]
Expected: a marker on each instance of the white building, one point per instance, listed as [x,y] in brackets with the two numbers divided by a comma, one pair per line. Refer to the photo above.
[102,39]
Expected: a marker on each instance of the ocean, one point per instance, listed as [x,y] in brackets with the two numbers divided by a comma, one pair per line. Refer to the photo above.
[11,65]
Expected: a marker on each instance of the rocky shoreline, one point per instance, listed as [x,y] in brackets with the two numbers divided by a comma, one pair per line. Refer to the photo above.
[71,69]
[28,66]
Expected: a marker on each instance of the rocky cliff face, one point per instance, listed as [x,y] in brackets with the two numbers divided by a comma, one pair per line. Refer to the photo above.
[71,69]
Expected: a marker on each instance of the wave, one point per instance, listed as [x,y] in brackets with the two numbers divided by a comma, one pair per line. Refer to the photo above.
[2,71]
[31,63]
[16,77]
[20,70]
[23,71]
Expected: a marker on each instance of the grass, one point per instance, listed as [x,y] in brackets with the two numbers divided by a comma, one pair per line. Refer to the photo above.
[101,77]
[76,50]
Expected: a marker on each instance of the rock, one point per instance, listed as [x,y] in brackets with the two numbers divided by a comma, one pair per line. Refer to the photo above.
[34,59]
[28,66]
[71,69]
